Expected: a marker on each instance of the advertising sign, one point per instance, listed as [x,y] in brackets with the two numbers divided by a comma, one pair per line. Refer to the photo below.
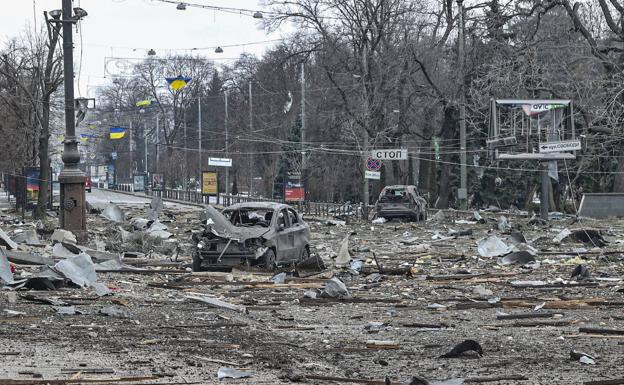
[139,182]
[209,183]
[294,194]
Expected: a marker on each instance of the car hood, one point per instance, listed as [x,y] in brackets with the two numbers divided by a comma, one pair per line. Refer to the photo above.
[222,227]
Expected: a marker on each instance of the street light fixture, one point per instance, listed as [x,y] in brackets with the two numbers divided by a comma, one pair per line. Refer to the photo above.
[181,7]
[79,13]
[56,14]
[219,50]
[151,52]
[258,15]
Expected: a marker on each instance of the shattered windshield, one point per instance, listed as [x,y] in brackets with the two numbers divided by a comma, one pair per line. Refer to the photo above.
[395,195]
[249,217]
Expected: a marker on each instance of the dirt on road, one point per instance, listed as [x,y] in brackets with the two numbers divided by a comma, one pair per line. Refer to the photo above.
[421,288]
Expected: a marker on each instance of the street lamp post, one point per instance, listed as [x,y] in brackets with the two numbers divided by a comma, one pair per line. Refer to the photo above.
[71,178]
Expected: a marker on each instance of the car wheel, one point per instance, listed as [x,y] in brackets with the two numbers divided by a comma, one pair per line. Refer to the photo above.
[269,260]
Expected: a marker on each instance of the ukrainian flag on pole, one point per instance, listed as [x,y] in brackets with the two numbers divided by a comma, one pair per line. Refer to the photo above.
[117,132]
[178,82]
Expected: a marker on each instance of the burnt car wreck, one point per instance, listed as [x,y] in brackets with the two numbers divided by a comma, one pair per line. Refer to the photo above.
[261,234]
[401,201]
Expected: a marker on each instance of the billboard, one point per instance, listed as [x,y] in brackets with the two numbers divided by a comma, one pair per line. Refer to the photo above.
[294,194]
[209,183]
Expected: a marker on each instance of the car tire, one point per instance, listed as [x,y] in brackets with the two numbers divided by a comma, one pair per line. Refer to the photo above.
[269,260]
[197,263]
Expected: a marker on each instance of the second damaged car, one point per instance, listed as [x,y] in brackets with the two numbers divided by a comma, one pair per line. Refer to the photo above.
[262,234]
[401,201]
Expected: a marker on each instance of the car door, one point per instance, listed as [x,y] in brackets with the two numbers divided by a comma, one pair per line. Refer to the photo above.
[284,237]
[297,229]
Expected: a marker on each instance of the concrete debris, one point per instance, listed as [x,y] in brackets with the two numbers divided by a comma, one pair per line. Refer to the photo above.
[439,216]
[582,357]
[379,221]
[310,266]
[335,288]
[463,347]
[156,206]
[28,237]
[581,272]
[115,311]
[66,310]
[563,234]
[216,303]
[344,257]
[79,269]
[517,257]
[61,235]
[60,251]
[493,246]
[477,217]
[225,372]
[112,212]
[279,278]
[6,273]
[482,292]
[6,241]
[503,224]
[140,223]
[26,258]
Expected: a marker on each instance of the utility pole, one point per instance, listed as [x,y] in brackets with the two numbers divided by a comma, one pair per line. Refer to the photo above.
[145,148]
[462,193]
[199,129]
[250,135]
[303,129]
[365,187]
[227,145]
[72,180]
[186,173]
[157,139]
[132,168]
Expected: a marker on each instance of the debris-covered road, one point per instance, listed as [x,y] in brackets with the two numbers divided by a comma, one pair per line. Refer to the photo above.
[505,284]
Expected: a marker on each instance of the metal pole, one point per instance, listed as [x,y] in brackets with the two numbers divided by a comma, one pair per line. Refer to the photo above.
[303,127]
[185,184]
[544,193]
[365,187]
[145,148]
[72,180]
[463,190]
[132,168]
[250,193]
[157,145]
[227,150]
[199,123]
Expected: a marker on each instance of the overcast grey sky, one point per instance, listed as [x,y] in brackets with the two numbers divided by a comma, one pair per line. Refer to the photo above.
[128,28]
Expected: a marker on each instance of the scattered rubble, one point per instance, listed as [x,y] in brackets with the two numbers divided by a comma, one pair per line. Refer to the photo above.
[372,301]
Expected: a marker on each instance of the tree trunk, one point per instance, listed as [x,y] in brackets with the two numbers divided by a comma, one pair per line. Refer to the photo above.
[618,182]
[44,162]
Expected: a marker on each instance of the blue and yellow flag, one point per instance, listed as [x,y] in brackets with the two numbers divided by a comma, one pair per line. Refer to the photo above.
[178,82]
[143,103]
[117,132]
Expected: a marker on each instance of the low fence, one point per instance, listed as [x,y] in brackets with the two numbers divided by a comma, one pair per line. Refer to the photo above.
[310,208]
